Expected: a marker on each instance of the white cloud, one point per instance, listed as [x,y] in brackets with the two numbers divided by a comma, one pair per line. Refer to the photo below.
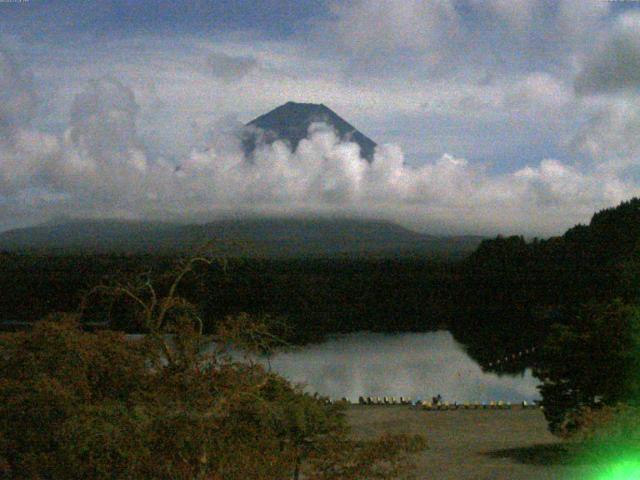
[610,138]
[445,36]
[17,95]
[517,14]
[23,151]
[538,91]
[615,64]
[230,68]
[102,161]
[425,74]
[180,97]
[99,168]
[382,27]
[607,86]
[326,175]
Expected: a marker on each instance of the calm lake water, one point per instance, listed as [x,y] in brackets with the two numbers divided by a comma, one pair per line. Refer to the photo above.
[414,365]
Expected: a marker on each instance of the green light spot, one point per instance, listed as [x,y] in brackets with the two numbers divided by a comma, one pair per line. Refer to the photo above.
[621,470]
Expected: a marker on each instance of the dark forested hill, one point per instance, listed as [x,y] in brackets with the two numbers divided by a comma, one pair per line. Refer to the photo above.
[271,237]
[513,291]
[315,296]
[587,262]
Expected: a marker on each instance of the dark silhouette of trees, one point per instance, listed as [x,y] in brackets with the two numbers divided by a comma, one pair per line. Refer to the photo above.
[594,361]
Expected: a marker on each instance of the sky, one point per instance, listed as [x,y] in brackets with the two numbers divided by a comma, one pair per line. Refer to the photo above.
[492,116]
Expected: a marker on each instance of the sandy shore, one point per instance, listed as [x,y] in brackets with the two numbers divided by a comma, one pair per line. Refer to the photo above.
[474,444]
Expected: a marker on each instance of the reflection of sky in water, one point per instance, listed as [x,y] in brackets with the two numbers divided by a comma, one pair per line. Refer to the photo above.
[414,365]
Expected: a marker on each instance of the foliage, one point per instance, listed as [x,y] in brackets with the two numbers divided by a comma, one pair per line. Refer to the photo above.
[512,292]
[75,404]
[51,374]
[616,425]
[317,296]
[593,361]
[503,299]
[608,438]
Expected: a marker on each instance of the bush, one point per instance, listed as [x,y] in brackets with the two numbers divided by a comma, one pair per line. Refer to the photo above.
[608,437]
[96,405]
[591,362]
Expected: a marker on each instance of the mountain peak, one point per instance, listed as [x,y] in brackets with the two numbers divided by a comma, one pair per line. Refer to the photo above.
[292,104]
[291,121]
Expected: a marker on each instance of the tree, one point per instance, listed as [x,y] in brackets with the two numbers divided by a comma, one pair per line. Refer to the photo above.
[75,404]
[592,361]
[159,314]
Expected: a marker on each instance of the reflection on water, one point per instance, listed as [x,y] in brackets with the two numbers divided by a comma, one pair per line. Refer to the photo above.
[414,365]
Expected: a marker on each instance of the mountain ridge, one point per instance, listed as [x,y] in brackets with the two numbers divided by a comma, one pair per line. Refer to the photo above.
[268,236]
[291,122]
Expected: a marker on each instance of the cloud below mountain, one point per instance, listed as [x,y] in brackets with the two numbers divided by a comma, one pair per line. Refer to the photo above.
[527,127]
[99,168]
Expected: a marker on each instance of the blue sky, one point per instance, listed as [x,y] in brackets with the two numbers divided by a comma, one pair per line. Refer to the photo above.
[271,18]
[494,116]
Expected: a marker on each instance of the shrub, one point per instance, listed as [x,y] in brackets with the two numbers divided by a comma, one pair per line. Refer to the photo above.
[593,361]
[96,405]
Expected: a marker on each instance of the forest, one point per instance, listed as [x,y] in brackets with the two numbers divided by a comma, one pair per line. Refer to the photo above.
[571,297]
[507,294]
[509,289]
[315,296]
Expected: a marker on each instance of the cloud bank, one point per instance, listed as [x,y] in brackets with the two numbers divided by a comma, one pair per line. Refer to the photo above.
[98,167]
[500,117]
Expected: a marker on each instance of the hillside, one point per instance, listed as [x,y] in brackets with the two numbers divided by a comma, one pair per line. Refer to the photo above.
[513,291]
[587,262]
[272,237]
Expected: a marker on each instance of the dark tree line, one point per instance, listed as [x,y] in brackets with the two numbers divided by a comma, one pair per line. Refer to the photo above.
[576,298]
[314,296]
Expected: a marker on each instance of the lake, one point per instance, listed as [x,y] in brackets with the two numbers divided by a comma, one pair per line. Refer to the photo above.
[414,365]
